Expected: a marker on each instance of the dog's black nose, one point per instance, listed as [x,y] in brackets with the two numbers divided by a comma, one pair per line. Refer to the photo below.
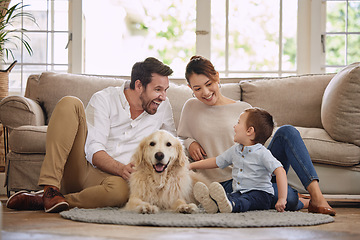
[159,156]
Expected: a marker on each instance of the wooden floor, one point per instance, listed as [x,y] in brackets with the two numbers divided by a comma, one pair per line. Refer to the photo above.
[18,225]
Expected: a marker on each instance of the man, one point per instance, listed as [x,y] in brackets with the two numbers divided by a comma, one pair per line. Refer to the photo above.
[88,152]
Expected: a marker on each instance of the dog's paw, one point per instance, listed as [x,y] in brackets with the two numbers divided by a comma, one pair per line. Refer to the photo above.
[187,208]
[147,208]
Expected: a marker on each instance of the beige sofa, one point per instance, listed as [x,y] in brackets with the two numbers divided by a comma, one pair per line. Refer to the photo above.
[324,108]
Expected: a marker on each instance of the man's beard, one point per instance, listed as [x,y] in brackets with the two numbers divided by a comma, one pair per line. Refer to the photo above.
[147,105]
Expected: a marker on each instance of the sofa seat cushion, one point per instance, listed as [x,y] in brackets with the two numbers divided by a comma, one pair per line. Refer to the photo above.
[323,149]
[291,100]
[28,139]
[340,110]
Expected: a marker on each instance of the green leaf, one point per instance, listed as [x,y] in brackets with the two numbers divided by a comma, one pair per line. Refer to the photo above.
[8,17]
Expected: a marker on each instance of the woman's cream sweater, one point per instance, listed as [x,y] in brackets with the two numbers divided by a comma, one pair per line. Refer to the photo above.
[212,128]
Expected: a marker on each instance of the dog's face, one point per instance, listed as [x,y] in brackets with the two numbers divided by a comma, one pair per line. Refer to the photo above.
[160,150]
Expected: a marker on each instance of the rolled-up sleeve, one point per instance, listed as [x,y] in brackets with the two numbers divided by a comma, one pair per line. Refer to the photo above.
[98,123]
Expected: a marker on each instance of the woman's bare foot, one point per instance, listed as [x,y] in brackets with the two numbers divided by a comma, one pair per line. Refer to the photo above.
[316,196]
[318,203]
[305,201]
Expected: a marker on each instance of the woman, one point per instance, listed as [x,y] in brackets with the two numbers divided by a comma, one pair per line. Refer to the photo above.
[206,125]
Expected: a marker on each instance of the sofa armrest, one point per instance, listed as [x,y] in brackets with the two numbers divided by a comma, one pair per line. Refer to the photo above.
[16,111]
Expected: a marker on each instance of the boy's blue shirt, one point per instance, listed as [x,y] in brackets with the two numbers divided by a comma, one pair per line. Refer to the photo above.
[252,167]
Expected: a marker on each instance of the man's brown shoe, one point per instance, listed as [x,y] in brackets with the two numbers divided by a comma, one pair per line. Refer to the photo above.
[54,201]
[24,200]
[323,210]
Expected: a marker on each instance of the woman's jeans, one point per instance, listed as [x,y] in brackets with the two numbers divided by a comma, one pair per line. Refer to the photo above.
[288,147]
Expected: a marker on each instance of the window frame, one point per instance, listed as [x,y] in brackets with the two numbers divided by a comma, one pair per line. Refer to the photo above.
[310,57]
[344,33]
[203,38]
[310,37]
[76,45]
[49,64]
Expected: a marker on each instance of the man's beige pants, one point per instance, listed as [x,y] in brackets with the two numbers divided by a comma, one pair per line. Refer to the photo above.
[66,167]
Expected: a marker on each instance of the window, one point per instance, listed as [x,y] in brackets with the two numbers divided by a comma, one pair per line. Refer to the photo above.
[328,35]
[48,40]
[342,36]
[254,38]
[242,38]
[120,33]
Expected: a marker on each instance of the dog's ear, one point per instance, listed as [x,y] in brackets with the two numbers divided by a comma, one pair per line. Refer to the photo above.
[183,160]
[137,157]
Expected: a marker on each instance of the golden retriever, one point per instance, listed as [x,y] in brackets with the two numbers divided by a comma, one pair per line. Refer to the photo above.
[162,180]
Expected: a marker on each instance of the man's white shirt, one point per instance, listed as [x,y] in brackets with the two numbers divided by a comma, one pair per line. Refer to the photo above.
[110,127]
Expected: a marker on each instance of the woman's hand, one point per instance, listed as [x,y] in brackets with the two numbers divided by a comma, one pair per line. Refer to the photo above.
[196,151]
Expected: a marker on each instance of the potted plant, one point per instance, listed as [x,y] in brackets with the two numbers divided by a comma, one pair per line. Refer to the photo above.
[9,40]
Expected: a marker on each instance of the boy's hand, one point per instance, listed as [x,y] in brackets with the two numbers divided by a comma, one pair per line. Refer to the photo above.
[190,167]
[281,181]
[280,205]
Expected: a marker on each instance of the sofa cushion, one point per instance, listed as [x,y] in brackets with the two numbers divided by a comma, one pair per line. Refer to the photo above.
[231,90]
[28,139]
[178,94]
[291,100]
[340,110]
[53,86]
[323,149]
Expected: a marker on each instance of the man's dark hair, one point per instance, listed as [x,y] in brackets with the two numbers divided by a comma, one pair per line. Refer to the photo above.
[143,70]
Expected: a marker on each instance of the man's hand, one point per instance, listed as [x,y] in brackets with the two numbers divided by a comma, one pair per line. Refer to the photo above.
[126,170]
[104,162]
[196,151]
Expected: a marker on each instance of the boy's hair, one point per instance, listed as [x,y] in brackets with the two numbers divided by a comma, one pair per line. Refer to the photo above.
[262,122]
[143,70]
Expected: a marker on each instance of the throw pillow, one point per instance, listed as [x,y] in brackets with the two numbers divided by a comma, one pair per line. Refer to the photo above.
[340,109]
[292,100]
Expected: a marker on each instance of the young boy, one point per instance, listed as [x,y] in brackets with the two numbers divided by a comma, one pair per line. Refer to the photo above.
[253,166]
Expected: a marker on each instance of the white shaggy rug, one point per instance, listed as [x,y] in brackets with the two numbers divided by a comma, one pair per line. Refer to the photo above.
[267,218]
